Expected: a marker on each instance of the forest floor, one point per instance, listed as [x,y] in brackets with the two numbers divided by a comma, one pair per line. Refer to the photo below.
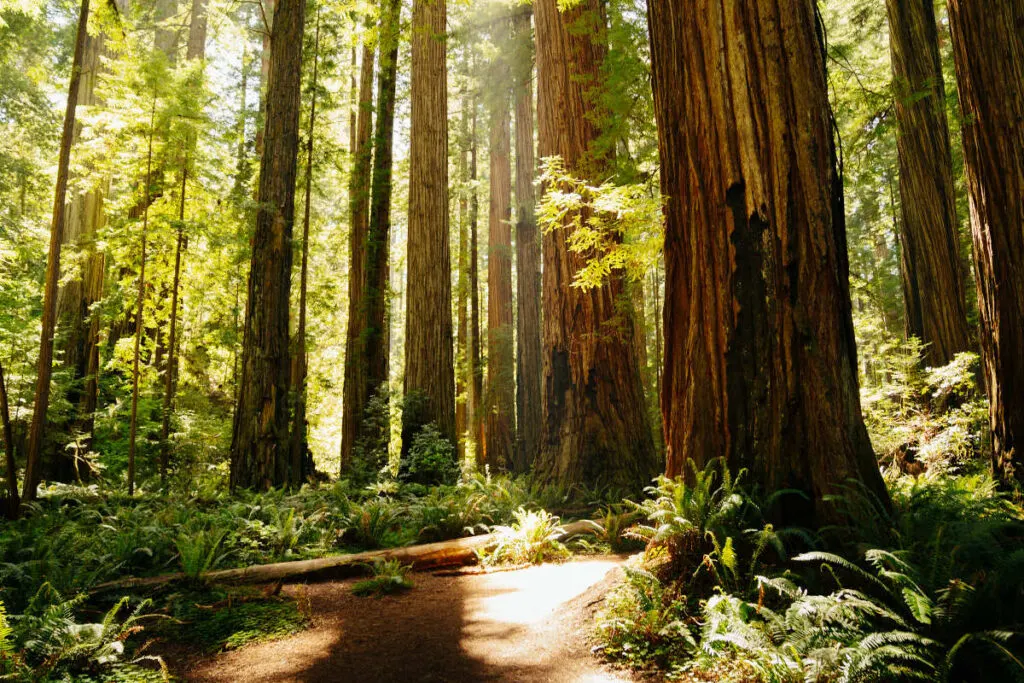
[527,625]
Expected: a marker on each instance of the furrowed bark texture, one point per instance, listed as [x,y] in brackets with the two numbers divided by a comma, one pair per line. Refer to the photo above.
[595,425]
[473,364]
[354,401]
[44,371]
[80,330]
[932,271]
[988,50]
[529,406]
[259,445]
[462,289]
[760,359]
[429,363]
[378,239]
[499,395]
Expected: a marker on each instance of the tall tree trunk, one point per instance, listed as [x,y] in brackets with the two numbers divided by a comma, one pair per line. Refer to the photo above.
[499,396]
[299,443]
[529,407]
[196,48]
[429,366]
[76,296]
[760,363]
[171,373]
[474,369]
[166,36]
[13,503]
[268,9]
[932,272]
[260,434]
[595,424]
[45,366]
[377,343]
[462,290]
[354,396]
[988,50]
[140,302]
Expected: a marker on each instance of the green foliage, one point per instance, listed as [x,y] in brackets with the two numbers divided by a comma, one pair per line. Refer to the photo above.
[431,460]
[533,538]
[389,576]
[197,553]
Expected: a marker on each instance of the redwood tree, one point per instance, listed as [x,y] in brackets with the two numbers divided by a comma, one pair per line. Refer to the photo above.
[354,400]
[45,365]
[529,408]
[595,424]
[259,444]
[760,364]
[933,276]
[499,395]
[429,363]
[988,50]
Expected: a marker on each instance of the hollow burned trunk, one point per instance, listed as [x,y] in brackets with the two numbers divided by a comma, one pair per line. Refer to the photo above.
[595,425]
[932,273]
[259,445]
[988,49]
[760,363]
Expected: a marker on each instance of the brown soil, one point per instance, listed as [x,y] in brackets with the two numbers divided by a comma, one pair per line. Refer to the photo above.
[527,625]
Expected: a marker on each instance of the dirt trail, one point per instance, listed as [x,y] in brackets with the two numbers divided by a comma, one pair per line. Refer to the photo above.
[529,625]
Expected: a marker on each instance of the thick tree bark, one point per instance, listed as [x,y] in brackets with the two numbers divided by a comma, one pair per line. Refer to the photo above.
[462,305]
[760,363]
[378,237]
[932,272]
[80,327]
[988,50]
[45,366]
[429,365]
[300,466]
[196,47]
[529,407]
[260,436]
[355,397]
[499,395]
[595,424]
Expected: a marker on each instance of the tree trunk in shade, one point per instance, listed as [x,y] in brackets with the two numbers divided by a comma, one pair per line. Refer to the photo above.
[595,425]
[429,363]
[529,407]
[932,271]
[988,50]
[354,397]
[79,341]
[378,239]
[760,364]
[260,436]
[44,371]
[462,289]
[499,394]
[474,370]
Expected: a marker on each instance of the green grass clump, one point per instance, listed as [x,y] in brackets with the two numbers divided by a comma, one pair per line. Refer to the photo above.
[389,576]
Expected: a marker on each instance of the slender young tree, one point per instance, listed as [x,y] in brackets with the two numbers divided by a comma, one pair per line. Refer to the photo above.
[529,407]
[499,395]
[429,363]
[595,424]
[260,434]
[378,238]
[44,371]
[988,51]
[195,50]
[354,397]
[82,288]
[760,364]
[932,273]
[140,302]
[13,501]
[299,443]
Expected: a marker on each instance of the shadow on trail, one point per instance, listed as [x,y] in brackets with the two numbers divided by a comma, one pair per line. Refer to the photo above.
[526,625]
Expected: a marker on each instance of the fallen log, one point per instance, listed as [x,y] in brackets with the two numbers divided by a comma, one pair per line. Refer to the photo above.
[457,552]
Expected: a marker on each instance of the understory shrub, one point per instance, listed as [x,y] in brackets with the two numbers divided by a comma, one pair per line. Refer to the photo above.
[532,538]
[389,576]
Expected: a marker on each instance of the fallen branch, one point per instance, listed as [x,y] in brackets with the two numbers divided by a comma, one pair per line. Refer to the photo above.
[458,552]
